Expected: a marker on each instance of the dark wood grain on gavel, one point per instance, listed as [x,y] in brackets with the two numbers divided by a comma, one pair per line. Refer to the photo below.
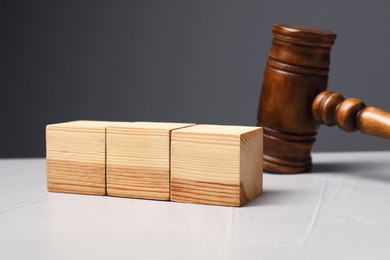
[294,100]
[350,114]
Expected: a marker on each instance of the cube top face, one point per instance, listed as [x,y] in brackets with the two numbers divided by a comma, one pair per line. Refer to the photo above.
[218,129]
[84,124]
[138,160]
[160,125]
[220,165]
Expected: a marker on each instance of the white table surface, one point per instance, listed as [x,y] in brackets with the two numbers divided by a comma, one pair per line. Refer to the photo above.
[339,211]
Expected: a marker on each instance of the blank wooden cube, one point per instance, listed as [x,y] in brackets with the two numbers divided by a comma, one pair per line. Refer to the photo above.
[76,157]
[215,164]
[138,160]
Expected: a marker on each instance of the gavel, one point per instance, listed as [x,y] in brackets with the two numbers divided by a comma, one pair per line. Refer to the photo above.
[294,100]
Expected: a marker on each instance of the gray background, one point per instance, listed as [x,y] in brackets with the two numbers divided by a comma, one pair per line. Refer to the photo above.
[184,61]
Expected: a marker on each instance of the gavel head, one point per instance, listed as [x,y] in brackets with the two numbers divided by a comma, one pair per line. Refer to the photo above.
[297,70]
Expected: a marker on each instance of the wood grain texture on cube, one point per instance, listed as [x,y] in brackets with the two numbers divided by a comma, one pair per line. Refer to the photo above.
[138,160]
[76,157]
[213,164]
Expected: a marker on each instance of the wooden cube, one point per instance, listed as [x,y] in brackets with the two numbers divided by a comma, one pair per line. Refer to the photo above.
[138,160]
[76,157]
[215,164]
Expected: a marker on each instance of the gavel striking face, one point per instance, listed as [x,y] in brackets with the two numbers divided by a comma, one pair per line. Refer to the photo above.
[294,100]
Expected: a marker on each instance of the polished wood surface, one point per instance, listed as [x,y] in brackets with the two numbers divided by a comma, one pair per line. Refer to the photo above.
[297,70]
[294,100]
[350,114]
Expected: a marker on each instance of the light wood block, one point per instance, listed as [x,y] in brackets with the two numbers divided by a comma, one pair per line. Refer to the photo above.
[215,164]
[76,157]
[138,160]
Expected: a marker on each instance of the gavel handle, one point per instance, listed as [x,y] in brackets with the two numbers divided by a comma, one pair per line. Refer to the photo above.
[350,114]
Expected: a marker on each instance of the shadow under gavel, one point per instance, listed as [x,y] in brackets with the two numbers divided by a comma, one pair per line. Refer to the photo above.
[294,100]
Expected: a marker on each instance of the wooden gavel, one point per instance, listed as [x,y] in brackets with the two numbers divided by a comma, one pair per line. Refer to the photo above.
[294,100]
